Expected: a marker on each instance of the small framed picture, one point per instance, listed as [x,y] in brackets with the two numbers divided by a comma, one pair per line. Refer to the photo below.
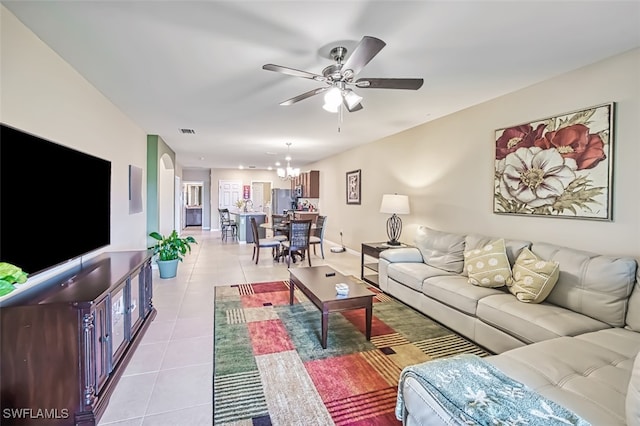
[353,187]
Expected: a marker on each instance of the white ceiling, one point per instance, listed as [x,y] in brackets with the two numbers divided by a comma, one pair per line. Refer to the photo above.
[170,65]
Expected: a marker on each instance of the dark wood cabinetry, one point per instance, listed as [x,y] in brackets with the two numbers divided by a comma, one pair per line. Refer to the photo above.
[310,182]
[369,270]
[66,342]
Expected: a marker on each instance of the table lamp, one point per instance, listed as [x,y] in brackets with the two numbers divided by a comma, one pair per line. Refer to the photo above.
[394,204]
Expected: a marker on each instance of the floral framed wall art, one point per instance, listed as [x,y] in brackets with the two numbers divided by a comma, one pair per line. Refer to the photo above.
[353,187]
[560,166]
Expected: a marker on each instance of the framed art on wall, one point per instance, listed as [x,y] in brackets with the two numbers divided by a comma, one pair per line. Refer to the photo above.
[135,189]
[353,187]
[561,166]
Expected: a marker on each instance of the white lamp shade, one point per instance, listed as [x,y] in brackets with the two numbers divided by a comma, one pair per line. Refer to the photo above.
[394,203]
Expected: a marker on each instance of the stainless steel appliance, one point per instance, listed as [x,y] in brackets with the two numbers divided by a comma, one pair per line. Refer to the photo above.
[281,200]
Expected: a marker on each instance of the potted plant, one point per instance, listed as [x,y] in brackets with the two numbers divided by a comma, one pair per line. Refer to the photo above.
[10,275]
[169,250]
[241,205]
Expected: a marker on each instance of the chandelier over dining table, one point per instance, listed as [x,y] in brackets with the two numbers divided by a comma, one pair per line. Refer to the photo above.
[289,172]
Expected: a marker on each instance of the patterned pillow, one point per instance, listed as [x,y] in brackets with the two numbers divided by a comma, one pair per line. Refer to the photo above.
[488,266]
[533,278]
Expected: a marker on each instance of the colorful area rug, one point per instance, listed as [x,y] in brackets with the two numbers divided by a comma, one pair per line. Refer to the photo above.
[270,368]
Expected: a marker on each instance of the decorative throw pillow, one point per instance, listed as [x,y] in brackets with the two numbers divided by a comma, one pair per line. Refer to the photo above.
[533,278]
[488,266]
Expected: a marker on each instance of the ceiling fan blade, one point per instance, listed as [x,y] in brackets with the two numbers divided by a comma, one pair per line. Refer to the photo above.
[390,83]
[303,96]
[362,54]
[293,72]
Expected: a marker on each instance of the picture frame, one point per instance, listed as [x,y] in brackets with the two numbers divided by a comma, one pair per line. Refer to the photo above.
[560,166]
[354,187]
[135,189]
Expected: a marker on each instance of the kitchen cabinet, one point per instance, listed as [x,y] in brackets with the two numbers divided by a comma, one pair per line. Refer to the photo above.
[193,216]
[310,182]
[66,342]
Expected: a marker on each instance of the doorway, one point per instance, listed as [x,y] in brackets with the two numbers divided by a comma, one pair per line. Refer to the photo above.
[192,195]
[261,196]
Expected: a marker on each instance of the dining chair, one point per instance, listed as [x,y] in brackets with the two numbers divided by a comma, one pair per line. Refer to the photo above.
[277,222]
[259,243]
[318,235]
[299,234]
[227,225]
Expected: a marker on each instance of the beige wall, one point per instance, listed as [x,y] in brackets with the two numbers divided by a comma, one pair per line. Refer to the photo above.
[43,95]
[446,167]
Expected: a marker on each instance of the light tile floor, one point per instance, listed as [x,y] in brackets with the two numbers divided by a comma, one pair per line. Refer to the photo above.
[169,378]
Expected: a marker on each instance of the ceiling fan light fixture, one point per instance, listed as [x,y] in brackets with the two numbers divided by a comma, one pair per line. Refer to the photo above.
[352,98]
[333,97]
[331,108]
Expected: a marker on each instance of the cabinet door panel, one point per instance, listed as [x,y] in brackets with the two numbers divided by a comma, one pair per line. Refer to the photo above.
[136,286]
[102,347]
[118,323]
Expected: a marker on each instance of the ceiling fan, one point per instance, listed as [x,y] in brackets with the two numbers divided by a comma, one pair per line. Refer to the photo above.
[339,77]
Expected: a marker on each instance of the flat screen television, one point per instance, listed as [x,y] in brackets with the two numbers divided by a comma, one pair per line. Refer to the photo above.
[55,202]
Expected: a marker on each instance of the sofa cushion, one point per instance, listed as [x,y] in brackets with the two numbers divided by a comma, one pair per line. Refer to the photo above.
[456,292]
[413,274]
[591,284]
[633,311]
[531,322]
[512,247]
[587,374]
[533,278]
[402,254]
[632,406]
[488,266]
[444,250]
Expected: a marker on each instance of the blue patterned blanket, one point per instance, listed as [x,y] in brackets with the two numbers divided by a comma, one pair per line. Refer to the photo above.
[477,393]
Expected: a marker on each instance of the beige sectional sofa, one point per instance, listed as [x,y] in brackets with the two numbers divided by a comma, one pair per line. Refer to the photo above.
[576,347]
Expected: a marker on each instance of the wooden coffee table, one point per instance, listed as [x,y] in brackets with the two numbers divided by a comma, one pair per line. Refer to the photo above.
[321,290]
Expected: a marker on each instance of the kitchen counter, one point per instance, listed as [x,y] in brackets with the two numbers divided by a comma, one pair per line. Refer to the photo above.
[249,213]
[243,222]
[305,215]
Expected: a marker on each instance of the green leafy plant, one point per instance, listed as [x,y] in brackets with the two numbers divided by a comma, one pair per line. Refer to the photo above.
[10,275]
[171,247]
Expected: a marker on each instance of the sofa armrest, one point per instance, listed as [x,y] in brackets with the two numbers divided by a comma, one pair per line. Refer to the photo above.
[405,254]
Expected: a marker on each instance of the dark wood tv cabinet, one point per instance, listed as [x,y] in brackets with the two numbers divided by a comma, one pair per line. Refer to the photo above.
[66,342]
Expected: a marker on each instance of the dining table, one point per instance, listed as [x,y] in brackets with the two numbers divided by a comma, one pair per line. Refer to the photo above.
[283,227]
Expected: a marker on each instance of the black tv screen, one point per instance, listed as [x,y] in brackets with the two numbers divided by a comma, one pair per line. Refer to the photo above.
[55,202]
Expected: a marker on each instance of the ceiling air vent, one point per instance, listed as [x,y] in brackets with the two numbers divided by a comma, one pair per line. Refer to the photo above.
[188,131]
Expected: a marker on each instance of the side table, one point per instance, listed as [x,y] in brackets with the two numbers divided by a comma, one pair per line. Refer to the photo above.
[369,271]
